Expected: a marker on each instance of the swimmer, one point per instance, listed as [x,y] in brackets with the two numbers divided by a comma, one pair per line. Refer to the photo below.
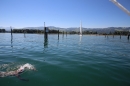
[18,72]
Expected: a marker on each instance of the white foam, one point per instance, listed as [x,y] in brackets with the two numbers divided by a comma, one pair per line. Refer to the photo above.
[28,66]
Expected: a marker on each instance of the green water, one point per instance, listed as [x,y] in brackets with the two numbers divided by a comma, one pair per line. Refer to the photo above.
[70,61]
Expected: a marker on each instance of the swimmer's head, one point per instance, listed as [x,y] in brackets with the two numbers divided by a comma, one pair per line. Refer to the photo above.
[26,66]
[20,70]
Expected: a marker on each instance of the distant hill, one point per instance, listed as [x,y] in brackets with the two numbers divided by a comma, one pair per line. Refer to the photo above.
[98,30]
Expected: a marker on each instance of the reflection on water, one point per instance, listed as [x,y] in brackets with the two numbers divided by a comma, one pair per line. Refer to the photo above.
[12,41]
[24,35]
[58,36]
[80,39]
[63,36]
[46,43]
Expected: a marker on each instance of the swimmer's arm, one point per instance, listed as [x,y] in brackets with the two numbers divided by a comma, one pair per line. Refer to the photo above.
[19,77]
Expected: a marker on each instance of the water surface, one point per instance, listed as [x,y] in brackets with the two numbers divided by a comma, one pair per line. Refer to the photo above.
[71,60]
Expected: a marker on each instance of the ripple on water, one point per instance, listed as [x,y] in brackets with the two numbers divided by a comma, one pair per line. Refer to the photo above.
[69,61]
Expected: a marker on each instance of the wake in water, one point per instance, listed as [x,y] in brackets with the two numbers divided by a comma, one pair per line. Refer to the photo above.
[17,72]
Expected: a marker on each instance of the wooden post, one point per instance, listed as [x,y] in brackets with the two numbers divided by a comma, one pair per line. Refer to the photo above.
[11,32]
[128,36]
[24,34]
[66,34]
[45,32]
[11,36]
[58,34]
[120,35]
[11,41]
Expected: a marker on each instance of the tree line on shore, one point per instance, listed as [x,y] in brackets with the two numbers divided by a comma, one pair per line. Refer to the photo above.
[63,32]
[2,30]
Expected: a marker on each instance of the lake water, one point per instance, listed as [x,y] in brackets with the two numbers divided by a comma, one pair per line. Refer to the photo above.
[72,60]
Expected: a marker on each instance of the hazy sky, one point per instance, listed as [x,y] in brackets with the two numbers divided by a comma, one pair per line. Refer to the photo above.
[63,13]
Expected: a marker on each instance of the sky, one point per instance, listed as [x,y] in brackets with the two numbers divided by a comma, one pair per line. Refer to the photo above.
[63,13]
